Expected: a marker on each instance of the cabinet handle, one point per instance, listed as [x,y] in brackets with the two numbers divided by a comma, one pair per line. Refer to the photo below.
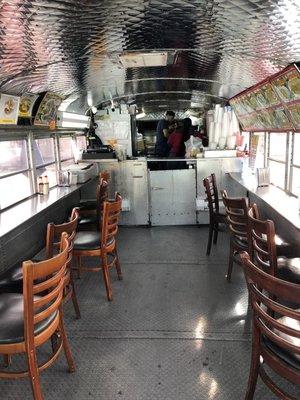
[157,188]
[137,176]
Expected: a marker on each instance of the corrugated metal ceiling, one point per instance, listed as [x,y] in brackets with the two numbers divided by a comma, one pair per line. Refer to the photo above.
[72,47]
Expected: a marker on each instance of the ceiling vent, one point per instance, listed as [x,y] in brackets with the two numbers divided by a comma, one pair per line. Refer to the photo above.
[137,60]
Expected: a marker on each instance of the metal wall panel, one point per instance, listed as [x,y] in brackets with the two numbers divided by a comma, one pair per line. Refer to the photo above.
[72,47]
[130,179]
[173,197]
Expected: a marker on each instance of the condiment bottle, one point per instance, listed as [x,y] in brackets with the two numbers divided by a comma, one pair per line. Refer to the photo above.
[40,185]
[45,185]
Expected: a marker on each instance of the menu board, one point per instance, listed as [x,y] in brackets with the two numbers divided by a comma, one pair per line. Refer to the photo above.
[9,106]
[26,104]
[273,104]
[46,114]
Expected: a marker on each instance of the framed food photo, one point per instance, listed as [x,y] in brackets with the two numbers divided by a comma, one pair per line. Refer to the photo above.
[26,105]
[46,114]
[9,108]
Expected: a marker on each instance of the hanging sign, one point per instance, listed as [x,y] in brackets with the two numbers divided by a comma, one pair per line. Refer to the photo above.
[47,111]
[9,107]
[26,104]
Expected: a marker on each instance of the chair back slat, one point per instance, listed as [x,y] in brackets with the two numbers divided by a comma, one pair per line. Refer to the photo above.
[43,298]
[102,196]
[237,215]
[211,191]
[110,219]
[268,293]
[262,245]
[54,232]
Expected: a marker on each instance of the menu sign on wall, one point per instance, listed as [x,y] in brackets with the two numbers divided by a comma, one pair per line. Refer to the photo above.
[26,104]
[273,104]
[46,114]
[9,106]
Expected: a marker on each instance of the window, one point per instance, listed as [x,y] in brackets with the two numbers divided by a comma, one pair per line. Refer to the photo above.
[66,148]
[14,172]
[295,167]
[20,163]
[296,155]
[277,159]
[278,146]
[44,155]
[81,142]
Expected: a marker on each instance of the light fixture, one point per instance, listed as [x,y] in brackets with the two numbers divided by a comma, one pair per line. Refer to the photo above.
[153,59]
[140,115]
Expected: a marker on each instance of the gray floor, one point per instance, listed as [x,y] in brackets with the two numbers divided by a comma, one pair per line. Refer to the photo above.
[176,330]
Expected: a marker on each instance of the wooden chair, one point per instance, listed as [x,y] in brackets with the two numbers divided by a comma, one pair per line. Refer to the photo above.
[101,244]
[263,249]
[215,217]
[30,319]
[91,205]
[276,330]
[237,217]
[89,219]
[12,280]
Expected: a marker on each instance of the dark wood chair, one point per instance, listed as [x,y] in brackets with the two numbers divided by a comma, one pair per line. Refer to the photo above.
[263,249]
[101,244]
[30,319]
[89,219]
[215,216]
[11,281]
[276,330]
[91,205]
[237,217]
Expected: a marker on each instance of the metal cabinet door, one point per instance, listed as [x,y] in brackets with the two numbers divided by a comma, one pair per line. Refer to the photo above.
[172,197]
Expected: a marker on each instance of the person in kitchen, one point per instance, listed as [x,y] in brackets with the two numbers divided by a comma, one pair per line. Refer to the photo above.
[176,140]
[162,135]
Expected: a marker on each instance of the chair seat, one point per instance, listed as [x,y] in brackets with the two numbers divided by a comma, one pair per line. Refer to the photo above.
[87,205]
[90,219]
[289,269]
[11,281]
[12,319]
[88,240]
[290,358]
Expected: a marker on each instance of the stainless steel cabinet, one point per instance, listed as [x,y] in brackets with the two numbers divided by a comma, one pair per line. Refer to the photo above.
[172,197]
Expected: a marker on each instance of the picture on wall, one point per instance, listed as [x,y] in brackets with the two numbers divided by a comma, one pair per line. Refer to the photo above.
[9,107]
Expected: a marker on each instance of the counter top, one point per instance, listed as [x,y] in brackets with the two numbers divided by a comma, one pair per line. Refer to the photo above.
[16,215]
[287,206]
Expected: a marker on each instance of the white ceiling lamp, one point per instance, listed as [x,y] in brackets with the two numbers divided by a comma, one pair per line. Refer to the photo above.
[136,60]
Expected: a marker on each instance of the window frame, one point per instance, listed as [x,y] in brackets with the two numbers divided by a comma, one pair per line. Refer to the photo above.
[288,163]
[29,135]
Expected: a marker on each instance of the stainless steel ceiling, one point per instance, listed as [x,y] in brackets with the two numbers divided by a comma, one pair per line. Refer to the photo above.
[72,47]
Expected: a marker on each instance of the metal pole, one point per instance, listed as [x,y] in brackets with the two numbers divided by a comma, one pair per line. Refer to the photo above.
[31,162]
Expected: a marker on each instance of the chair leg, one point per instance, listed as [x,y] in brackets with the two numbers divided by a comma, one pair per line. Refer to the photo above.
[230,263]
[66,345]
[79,265]
[34,374]
[210,236]
[7,360]
[216,231]
[255,364]
[106,277]
[118,265]
[74,297]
